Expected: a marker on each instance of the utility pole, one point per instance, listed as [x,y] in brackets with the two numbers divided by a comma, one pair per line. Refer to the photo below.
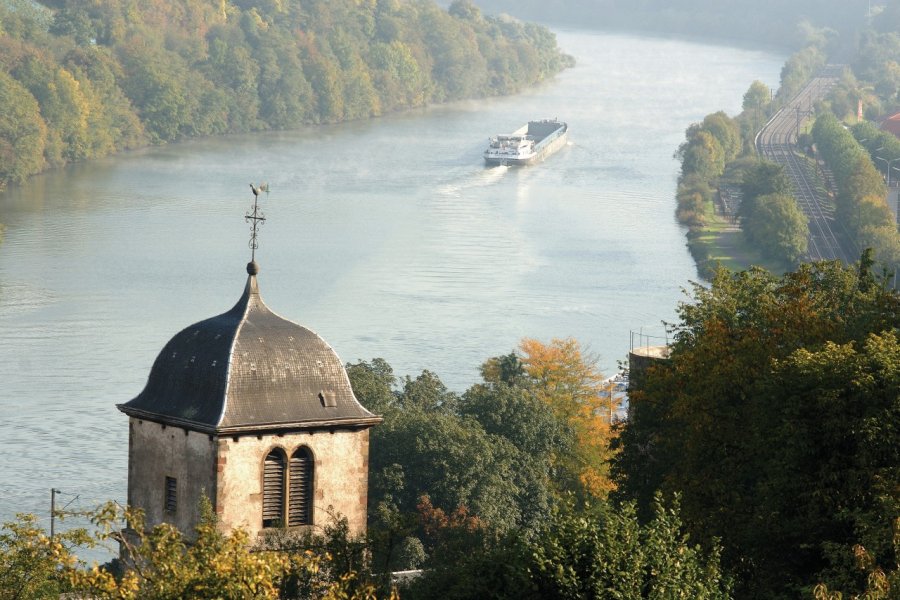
[53,492]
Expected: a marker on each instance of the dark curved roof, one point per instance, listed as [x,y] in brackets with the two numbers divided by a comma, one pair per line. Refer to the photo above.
[248,370]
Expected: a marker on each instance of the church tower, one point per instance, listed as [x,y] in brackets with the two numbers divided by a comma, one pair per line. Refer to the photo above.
[256,413]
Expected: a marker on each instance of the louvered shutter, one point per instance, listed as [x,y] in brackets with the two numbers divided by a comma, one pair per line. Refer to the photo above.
[301,484]
[171,494]
[273,490]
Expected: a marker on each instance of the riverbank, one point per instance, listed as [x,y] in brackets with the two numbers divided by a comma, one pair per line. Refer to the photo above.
[772,24]
[85,82]
[721,243]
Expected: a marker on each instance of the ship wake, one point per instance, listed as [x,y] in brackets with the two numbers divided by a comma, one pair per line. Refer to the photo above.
[473,179]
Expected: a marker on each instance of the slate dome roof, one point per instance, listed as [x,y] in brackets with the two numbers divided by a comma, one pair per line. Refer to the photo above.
[248,370]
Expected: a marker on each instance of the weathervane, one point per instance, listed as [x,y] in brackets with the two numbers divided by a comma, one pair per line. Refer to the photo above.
[256,217]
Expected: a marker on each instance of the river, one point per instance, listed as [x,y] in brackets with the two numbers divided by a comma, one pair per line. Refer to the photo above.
[387,237]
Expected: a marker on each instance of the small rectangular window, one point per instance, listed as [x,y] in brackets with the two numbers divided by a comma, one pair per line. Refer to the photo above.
[171,494]
[328,398]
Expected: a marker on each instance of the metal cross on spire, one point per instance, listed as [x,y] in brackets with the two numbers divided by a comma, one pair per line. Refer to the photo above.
[256,217]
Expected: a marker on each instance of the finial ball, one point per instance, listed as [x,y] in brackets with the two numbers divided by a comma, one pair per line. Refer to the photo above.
[252,268]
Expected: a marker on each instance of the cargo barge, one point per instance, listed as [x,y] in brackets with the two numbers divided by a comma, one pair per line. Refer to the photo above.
[529,144]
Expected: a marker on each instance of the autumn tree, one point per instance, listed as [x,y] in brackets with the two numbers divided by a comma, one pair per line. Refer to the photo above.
[567,380]
[164,563]
[33,564]
[726,131]
[702,154]
[22,132]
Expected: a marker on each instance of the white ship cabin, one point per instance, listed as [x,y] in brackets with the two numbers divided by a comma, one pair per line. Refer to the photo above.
[512,143]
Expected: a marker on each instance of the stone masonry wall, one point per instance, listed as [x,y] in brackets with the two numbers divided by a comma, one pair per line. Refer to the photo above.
[158,451]
[340,476]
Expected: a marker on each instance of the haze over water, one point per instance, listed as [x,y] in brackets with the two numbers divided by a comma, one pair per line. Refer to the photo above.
[387,237]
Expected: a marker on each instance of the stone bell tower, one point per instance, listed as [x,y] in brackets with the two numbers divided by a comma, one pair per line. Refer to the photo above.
[254,412]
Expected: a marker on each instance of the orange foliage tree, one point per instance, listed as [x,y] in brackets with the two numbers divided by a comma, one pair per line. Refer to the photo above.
[567,379]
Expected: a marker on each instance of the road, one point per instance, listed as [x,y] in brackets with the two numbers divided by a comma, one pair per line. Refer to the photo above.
[777,142]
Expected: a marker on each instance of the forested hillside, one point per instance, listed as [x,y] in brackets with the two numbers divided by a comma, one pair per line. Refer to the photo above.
[85,79]
[756,21]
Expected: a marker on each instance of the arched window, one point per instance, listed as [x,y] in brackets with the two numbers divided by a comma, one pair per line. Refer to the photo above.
[274,472]
[300,494]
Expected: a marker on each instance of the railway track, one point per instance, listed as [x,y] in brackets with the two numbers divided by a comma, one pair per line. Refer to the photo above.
[777,142]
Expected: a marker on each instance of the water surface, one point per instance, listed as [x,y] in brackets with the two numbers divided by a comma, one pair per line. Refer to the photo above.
[387,237]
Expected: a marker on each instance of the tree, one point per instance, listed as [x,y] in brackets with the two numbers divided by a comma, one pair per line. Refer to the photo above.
[515,413]
[567,380]
[373,384]
[702,154]
[695,197]
[834,417]
[63,107]
[22,132]
[726,132]
[886,239]
[776,224]
[160,564]
[452,460]
[765,178]
[756,97]
[32,563]
[159,84]
[774,413]
[880,583]
[497,454]
[464,9]
[111,75]
[604,552]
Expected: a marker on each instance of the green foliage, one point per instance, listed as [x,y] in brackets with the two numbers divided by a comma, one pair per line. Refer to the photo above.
[772,22]
[603,552]
[876,142]
[776,224]
[702,154]
[799,69]
[491,461]
[455,462]
[757,96]
[709,146]
[764,178]
[775,416]
[109,75]
[861,199]
[880,583]
[877,62]
[770,217]
[695,197]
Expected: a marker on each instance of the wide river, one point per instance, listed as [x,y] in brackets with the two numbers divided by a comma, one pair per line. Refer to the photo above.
[387,237]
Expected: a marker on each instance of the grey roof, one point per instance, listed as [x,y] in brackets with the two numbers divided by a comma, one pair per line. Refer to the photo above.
[248,370]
